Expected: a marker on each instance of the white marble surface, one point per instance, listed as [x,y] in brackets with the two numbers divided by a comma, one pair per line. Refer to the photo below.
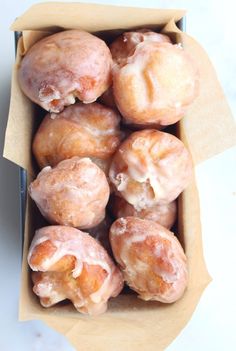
[212,326]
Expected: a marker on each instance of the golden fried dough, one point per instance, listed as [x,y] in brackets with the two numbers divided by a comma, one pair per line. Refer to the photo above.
[155,85]
[70,264]
[64,66]
[151,258]
[74,193]
[150,167]
[79,130]
[125,45]
[162,214]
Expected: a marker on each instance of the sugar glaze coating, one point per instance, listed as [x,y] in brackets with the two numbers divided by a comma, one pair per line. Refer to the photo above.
[151,258]
[70,264]
[162,214]
[151,167]
[74,193]
[64,66]
[156,84]
[125,45]
[90,130]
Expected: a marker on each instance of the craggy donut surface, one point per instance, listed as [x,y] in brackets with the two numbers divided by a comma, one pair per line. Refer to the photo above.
[79,130]
[70,264]
[64,66]
[125,45]
[150,167]
[162,214]
[151,258]
[74,193]
[155,85]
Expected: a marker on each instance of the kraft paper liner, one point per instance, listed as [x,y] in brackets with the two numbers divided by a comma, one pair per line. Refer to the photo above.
[207,129]
[130,323]
[215,128]
[19,125]
[91,17]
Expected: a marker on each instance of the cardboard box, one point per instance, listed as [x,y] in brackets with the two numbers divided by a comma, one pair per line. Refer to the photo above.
[207,129]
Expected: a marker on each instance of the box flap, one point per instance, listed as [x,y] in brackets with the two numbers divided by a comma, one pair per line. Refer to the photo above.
[91,17]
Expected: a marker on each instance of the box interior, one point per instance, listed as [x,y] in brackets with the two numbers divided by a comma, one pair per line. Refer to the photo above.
[38,221]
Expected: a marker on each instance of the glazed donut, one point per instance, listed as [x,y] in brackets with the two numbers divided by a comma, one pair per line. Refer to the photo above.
[164,215]
[70,264]
[155,85]
[150,168]
[151,259]
[79,130]
[64,66]
[125,45]
[74,193]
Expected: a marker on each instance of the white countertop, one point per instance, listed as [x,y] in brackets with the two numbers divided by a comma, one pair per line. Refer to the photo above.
[213,325]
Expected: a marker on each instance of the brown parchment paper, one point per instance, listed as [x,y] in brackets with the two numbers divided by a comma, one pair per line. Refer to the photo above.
[208,128]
